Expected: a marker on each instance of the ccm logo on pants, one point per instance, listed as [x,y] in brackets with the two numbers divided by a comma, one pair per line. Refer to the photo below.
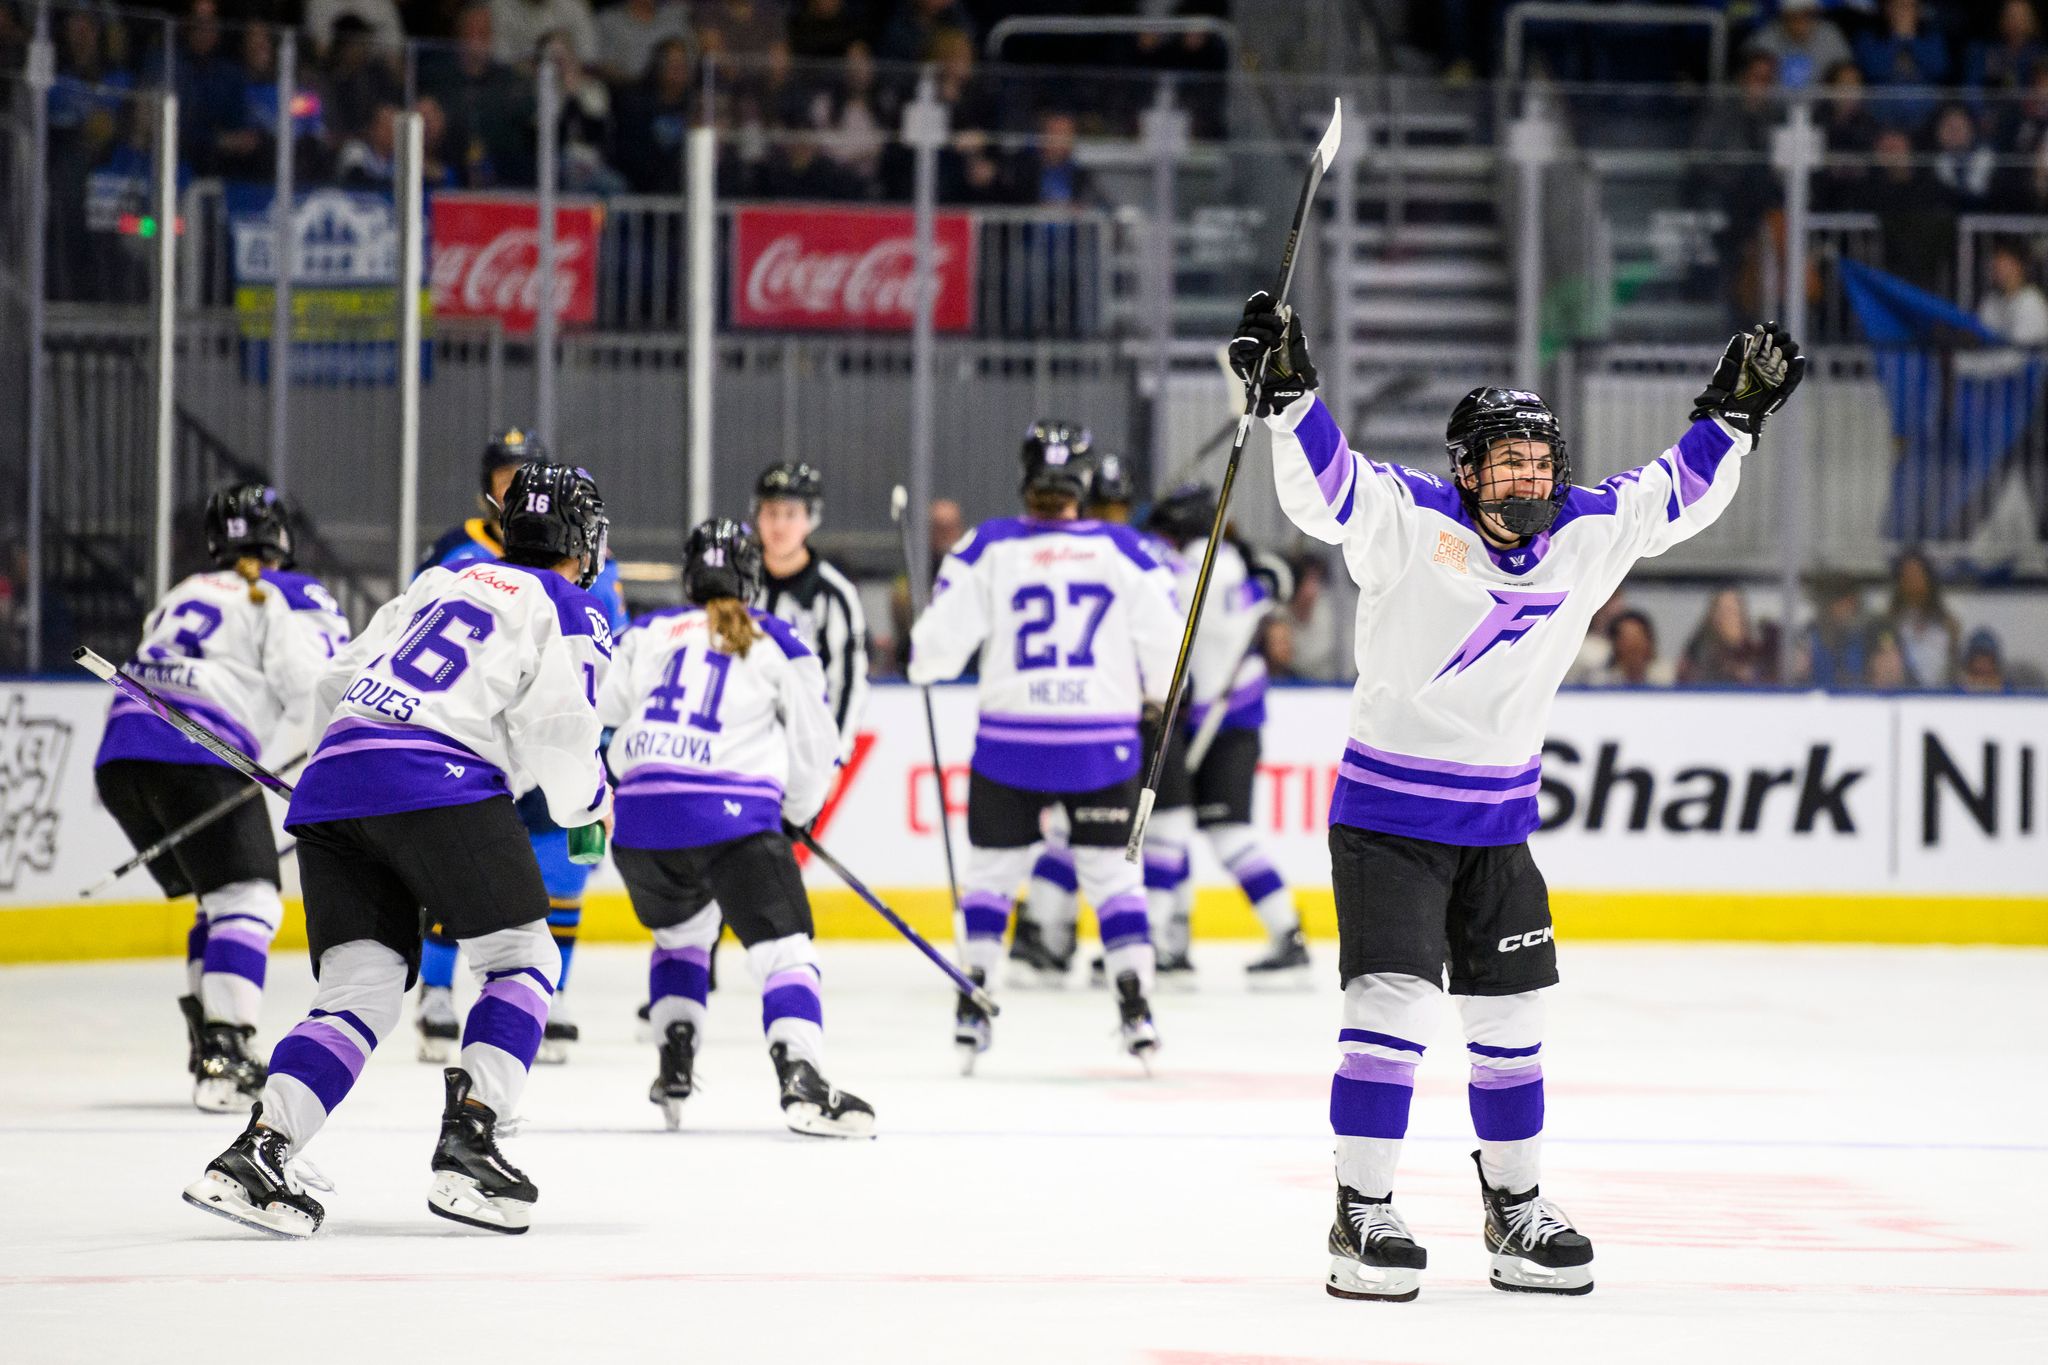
[1528,940]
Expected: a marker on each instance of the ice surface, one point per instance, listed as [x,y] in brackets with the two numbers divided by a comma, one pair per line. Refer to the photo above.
[1783,1154]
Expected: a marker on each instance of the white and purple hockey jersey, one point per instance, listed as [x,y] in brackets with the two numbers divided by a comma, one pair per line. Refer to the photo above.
[475,683]
[237,667]
[1462,646]
[712,746]
[1077,627]
[1222,665]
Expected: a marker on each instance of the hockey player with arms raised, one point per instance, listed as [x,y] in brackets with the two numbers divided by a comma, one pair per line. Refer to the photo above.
[721,735]
[471,677]
[239,650]
[1077,630]
[1475,594]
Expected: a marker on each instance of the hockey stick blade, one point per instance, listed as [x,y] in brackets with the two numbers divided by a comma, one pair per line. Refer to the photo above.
[169,713]
[1325,154]
[185,831]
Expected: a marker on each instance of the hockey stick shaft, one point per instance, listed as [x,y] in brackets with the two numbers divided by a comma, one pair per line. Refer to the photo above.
[917,940]
[185,831]
[178,720]
[1325,152]
[899,501]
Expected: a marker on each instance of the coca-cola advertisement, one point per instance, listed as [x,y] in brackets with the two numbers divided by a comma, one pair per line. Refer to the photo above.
[487,259]
[845,270]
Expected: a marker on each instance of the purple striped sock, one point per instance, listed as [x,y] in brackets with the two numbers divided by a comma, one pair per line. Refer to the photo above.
[510,1014]
[1257,876]
[1370,1096]
[1507,1104]
[1056,865]
[680,971]
[792,994]
[1122,920]
[987,913]
[240,947]
[322,1056]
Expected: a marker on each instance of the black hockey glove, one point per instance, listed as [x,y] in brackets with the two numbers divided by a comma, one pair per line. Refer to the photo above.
[1275,334]
[1756,375]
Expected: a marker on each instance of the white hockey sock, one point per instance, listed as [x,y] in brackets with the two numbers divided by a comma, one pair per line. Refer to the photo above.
[1240,851]
[792,1010]
[992,878]
[1167,877]
[1116,890]
[241,919]
[1504,1036]
[679,972]
[1052,903]
[357,1002]
[1386,1016]
[515,971]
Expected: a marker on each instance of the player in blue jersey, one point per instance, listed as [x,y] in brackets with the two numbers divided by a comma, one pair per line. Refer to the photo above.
[473,539]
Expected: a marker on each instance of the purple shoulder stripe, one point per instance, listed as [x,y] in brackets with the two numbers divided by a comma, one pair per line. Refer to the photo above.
[577,611]
[779,631]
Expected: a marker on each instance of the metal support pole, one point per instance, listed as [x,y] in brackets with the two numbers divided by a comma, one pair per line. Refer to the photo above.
[283,221]
[411,247]
[42,71]
[1164,129]
[1795,150]
[701,153]
[1532,145]
[924,128]
[544,315]
[166,331]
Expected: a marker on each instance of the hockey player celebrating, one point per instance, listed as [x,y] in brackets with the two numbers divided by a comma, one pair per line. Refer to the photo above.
[721,735]
[816,600]
[1076,626]
[1475,594]
[468,677]
[480,538]
[239,650]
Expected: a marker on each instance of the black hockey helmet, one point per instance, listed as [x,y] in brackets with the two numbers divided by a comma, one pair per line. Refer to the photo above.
[797,482]
[1486,415]
[1187,513]
[1056,459]
[248,519]
[509,447]
[554,513]
[721,559]
[1113,482]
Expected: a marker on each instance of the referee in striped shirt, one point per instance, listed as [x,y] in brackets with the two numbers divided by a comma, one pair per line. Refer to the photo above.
[819,602]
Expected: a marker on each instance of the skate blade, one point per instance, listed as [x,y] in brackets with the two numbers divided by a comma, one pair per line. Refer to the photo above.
[1287,979]
[1518,1276]
[1349,1279]
[969,1053]
[218,1095]
[812,1121]
[553,1052]
[458,1198]
[437,1051]
[1146,1051]
[226,1199]
[671,1110]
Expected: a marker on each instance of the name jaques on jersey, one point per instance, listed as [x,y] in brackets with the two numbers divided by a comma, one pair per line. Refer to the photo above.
[237,666]
[711,746]
[1076,624]
[472,684]
[1461,647]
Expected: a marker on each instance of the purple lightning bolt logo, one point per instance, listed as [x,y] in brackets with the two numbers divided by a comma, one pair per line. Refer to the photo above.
[1512,616]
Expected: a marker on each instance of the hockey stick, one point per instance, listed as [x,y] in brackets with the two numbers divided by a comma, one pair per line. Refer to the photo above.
[973,992]
[1325,153]
[185,831]
[898,501]
[178,720]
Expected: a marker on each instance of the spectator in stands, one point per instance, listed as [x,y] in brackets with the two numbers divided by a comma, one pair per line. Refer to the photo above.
[2014,307]
[2021,182]
[367,160]
[209,85]
[797,168]
[1734,139]
[1838,642]
[1963,160]
[1904,51]
[969,99]
[654,119]
[1804,45]
[380,17]
[908,38]
[360,78]
[1046,172]
[489,107]
[1851,133]
[245,149]
[822,30]
[1633,660]
[1918,619]
[1315,621]
[91,79]
[2007,66]
[1724,650]
[857,115]
[744,29]
[628,33]
[1887,664]
[1916,225]
[518,26]
[970,170]
[584,136]
[1983,668]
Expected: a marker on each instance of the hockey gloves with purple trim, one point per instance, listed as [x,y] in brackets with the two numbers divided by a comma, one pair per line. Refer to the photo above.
[1276,335]
[1756,375]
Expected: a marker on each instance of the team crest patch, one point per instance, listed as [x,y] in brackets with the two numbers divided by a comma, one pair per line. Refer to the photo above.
[1452,550]
[600,629]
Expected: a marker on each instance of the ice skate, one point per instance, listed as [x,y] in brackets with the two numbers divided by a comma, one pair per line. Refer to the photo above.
[812,1106]
[227,1076]
[643,1023]
[440,1030]
[1140,1038]
[1284,968]
[1033,963]
[1536,1250]
[195,1030]
[473,1183]
[1372,1253]
[1175,971]
[677,1080]
[558,1038]
[256,1183]
[972,1028]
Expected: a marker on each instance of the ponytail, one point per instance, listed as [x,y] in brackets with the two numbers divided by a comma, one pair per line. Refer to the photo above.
[251,570]
[732,629]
